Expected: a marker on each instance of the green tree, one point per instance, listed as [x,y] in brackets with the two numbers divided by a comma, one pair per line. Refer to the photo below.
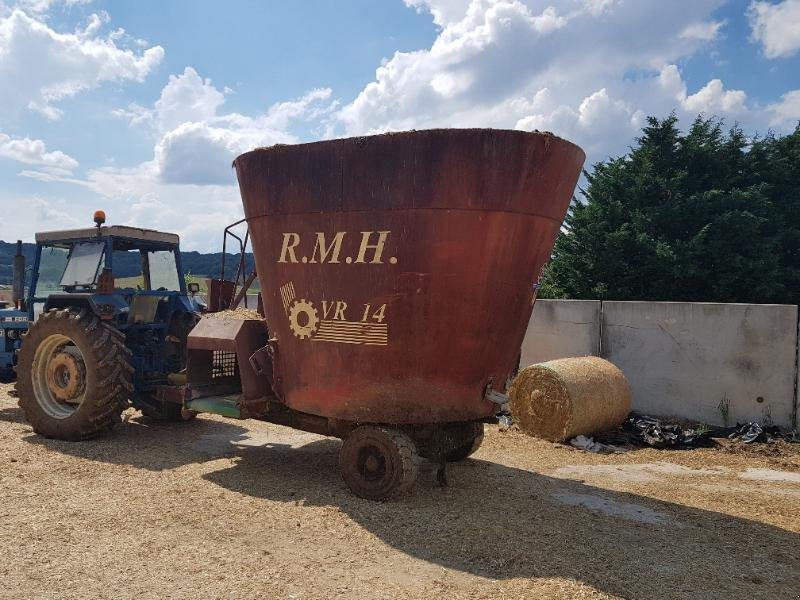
[703,216]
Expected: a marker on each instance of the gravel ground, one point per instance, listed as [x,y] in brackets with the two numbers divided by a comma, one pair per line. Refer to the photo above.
[228,509]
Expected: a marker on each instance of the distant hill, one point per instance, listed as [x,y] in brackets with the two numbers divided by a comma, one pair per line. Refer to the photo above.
[127,264]
[7,252]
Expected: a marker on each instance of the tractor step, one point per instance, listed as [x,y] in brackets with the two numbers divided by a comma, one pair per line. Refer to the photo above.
[226,406]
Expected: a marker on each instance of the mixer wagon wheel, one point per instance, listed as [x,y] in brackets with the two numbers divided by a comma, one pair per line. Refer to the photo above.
[74,375]
[451,442]
[470,447]
[378,462]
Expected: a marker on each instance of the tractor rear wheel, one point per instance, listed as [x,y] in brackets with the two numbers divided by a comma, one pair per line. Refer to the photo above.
[377,463]
[74,376]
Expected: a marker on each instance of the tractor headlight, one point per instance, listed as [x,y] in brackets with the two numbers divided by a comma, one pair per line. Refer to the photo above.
[12,334]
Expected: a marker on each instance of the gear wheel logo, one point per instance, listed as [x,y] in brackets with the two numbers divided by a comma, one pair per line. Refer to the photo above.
[303,319]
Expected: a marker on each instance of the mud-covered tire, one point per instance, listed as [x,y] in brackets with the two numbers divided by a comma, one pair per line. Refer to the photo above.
[378,463]
[468,449]
[106,371]
[451,442]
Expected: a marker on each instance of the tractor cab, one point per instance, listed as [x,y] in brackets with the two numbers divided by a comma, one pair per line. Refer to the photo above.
[126,275]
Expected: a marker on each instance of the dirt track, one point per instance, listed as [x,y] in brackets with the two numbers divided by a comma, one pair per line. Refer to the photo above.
[226,509]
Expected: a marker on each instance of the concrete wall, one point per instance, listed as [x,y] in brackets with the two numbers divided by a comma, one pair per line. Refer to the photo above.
[717,363]
[705,361]
[561,328]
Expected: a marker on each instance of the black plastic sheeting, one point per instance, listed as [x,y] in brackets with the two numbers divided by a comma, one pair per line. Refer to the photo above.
[653,432]
[753,432]
[749,433]
[643,430]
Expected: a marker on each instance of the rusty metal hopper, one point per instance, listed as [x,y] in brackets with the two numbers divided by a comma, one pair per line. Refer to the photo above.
[398,271]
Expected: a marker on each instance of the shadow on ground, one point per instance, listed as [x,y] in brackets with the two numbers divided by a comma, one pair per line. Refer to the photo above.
[502,522]
[12,415]
[493,520]
[147,444]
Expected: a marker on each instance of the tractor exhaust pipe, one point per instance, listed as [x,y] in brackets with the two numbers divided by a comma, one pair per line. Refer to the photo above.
[18,285]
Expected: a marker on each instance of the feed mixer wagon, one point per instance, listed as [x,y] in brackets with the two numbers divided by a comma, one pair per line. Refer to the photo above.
[398,274]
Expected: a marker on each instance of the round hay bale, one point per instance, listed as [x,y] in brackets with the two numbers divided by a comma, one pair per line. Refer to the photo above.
[560,399]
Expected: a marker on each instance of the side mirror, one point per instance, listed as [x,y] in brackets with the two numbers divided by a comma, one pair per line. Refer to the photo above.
[193,288]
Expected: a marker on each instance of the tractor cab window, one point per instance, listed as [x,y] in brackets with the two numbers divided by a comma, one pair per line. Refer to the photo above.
[163,271]
[127,269]
[84,264]
[52,263]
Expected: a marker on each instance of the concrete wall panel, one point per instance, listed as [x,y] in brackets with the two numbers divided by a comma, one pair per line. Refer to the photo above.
[718,363]
[561,328]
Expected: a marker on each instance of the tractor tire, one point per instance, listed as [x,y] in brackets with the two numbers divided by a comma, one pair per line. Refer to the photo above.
[468,449]
[74,375]
[378,463]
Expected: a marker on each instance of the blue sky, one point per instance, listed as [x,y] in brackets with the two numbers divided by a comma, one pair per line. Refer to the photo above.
[144,122]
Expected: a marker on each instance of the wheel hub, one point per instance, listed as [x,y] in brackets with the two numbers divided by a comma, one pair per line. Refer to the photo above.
[66,376]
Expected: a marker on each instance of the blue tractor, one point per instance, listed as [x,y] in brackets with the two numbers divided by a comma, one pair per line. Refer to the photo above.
[97,342]
[13,320]
[13,324]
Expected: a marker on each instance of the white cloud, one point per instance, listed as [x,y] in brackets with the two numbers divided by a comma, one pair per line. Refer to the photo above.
[604,123]
[137,196]
[442,11]
[702,30]
[594,120]
[190,172]
[598,7]
[34,152]
[197,141]
[51,213]
[786,113]
[187,98]
[42,7]
[589,70]
[47,66]
[40,213]
[201,151]
[195,153]
[713,99]
[776,27]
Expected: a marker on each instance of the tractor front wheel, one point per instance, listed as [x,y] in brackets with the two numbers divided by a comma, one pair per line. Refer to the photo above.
[378,462]
[74,376]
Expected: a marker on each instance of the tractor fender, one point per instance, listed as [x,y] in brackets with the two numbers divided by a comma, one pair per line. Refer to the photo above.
[102,305]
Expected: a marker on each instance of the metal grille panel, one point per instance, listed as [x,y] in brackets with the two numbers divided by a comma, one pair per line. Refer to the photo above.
[223,364]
